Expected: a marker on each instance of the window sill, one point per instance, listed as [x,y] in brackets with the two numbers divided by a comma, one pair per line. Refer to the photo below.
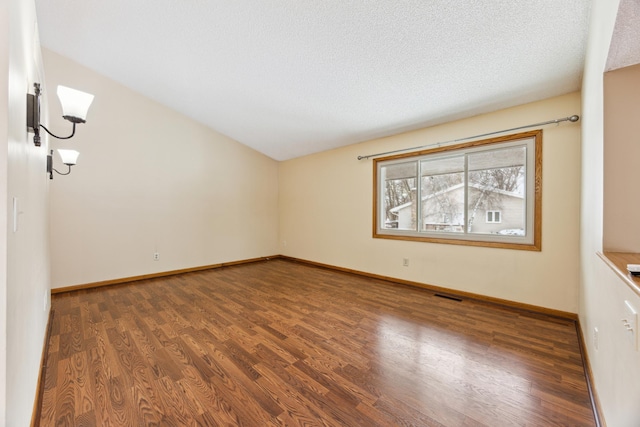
[618,262]
[535,246]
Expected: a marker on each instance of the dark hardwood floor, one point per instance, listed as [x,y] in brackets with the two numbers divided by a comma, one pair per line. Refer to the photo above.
[278,343]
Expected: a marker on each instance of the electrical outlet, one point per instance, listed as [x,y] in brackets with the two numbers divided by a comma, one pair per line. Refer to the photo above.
[156,256]
[405,262]
[630,324]
[595,338]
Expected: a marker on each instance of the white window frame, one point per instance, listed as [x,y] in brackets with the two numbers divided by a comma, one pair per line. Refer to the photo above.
[493,217]
[531,240]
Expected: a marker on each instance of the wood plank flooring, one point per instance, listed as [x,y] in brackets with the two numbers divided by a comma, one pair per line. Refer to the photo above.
[278,343]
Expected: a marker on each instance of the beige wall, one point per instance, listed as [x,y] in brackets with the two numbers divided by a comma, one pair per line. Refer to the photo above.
[615,363]
[24,265]
[621,154]
[151,180]
[326,214]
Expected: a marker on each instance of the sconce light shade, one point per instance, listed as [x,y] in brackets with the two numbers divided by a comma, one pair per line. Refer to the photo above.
[69,157]
[75,104]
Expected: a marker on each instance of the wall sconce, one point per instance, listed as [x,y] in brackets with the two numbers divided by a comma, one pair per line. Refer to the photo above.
[69,158]
[75,105]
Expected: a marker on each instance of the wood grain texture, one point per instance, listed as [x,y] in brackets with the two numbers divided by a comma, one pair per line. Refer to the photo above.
[278,343]
[445,291]
[93,285]
[618,261]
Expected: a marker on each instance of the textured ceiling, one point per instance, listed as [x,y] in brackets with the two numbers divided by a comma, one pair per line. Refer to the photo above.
[625,41]
[294,77]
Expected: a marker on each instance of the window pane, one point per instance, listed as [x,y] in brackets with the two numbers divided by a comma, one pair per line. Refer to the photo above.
[442,186]
[480,193]
[399,193]
[497,183]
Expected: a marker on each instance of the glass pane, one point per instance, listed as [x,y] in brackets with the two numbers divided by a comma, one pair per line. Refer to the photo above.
[398,195]
[497,183]
[442,186]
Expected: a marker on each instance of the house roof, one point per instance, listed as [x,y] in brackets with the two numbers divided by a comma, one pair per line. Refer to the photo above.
[457,187]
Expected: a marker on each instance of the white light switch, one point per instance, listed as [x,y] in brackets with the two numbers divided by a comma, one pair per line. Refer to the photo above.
[15,214]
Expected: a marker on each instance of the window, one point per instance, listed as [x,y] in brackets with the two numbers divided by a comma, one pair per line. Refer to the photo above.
[493,216]
[441,195]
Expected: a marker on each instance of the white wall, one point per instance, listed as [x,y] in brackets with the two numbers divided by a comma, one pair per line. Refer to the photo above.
[24,281]
[149,179]
[615,364]
[326,214]
[4,133]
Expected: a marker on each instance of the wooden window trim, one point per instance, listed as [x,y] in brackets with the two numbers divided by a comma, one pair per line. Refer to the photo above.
[537,197]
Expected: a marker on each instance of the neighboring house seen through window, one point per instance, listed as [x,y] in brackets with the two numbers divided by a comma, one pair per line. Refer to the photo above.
[481,193]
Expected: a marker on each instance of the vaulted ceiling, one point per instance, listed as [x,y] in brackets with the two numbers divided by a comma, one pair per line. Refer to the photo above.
[291,77]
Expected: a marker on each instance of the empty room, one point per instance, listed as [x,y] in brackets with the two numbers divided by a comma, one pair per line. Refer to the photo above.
[308,213]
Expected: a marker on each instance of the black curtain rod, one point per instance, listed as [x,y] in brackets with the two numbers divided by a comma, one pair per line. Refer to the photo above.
[573,118]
